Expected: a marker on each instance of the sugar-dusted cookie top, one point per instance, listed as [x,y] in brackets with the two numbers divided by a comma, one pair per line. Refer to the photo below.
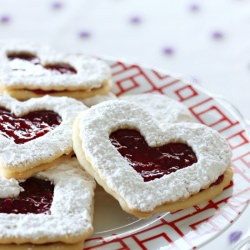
[91,101]
[162,108]
[114,139]
[35,132]
[53,206]
[26,65]
[9,187]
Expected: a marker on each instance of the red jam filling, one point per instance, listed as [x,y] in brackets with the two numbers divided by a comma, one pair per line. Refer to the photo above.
[28,127]
[43,92]
[151,162]
[62,68]
[218,181]
[24,56]
[36,198]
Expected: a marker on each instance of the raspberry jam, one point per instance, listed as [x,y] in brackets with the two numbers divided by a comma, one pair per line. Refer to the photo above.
[43,92]
[28,127]
[151,162]
[24,56]
[62,68]
[218,181]
[36,198]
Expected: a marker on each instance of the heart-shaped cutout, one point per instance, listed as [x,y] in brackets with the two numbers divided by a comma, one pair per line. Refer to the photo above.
[56,218]
[151,162]
[34,133]
[62,68]
[101,159]
[36,197]
[25,67]
[22,55]
[28,127]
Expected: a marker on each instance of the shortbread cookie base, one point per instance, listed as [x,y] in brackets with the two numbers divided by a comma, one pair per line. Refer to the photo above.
[24,94]
[37,154]
[54,246]
[16,73]
[195,199]
[21,175]
[77,147]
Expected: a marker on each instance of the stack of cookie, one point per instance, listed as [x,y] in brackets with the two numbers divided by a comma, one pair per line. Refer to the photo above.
[55,204]
[29,70]
[146,150]
[46,198]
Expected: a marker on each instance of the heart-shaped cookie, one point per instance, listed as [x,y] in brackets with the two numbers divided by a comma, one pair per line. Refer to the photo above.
[34,133]
[91,101]
[193,156]
[51,207]
[162,108]
[31,70]
[51,246]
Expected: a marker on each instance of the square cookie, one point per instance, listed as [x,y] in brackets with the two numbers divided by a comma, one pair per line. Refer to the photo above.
[53,206]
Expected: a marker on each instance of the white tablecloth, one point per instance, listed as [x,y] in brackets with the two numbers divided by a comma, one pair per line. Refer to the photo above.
[205,41]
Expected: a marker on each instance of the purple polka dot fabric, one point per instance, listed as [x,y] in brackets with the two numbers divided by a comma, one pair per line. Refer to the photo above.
[4,19]
[235,236]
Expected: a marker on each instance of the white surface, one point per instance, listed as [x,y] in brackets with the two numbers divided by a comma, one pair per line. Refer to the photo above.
[221,66]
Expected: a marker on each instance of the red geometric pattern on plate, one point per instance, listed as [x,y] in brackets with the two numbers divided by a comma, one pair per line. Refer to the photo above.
[242,166]
[237,140]
[186,92]
[208,112]
[189,228]
[132,78]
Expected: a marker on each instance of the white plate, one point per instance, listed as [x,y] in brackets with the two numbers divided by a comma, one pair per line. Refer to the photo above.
[190,228]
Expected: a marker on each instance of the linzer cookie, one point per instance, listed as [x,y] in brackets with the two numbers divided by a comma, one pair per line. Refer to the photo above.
[34,133]
[51,209]
[91,101]
[148,169]
[162,108]
[29,70]
[51,246]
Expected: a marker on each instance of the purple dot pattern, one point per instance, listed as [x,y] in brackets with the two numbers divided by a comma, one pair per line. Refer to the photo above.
[194,7]
[217,35]
[84,34]
[195,80]
[135,20]
[4,19]
[235,236]
[168,51]
[57,5]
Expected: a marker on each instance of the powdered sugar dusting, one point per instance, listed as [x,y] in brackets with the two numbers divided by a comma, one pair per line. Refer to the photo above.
[47,147]
[91,101]
[68,176]
[97,123]
[162,108]
[71,217]
[20,74]
[9,187]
